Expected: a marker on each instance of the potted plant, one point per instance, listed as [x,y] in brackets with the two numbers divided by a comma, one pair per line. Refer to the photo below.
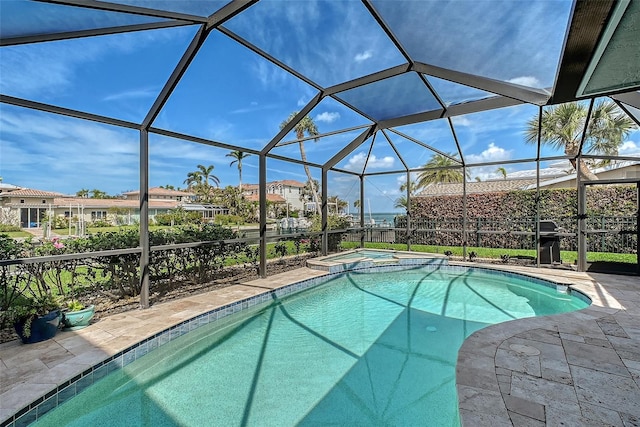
[35,318]
[77,316]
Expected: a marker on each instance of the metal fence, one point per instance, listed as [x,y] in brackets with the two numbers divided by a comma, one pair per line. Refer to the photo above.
[616,234]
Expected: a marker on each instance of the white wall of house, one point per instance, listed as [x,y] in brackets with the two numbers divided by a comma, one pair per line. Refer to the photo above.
[614,172]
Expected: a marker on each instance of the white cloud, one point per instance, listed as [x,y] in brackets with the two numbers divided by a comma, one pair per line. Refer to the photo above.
[302,102]
[133,94]
[66,154]
[328,117]
[528,81]
[356,162]
[629,148]
[363,56]
[493,153]
[63,61]
[253,106]
[461,121]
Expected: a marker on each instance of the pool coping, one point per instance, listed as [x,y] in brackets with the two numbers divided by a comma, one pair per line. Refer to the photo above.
[578,368]
[263,290]
[403,258]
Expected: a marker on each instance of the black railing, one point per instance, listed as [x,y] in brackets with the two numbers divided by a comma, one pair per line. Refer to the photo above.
[616,234]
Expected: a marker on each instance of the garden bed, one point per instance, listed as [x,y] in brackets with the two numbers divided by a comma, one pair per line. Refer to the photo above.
[106,306]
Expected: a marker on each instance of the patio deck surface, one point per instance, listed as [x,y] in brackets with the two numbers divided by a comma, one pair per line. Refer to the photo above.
[580,368]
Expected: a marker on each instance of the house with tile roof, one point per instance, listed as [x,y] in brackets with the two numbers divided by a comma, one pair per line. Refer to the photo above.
[159,193]
[621,170]
[33,207]
[288,190]
[614,171]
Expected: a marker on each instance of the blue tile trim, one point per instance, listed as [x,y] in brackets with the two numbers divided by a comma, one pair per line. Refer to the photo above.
[69,389]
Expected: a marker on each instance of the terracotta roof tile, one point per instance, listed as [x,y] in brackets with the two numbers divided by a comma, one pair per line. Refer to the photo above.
[274,198]
[157,191]
[287,182]
[443,189]
[108,203]
[33,193]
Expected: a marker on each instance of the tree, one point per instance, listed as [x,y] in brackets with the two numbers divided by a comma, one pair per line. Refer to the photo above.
[503,171]
[338,203]
[308,127]
[193,179]
[401,202]
[238,156]
[440,169]
[412,186]
[98,194]
[308,190]
[84,193]
[562,127]
[198,181]
[478,179]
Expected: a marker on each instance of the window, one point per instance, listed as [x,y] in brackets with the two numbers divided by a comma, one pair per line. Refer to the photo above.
[44,201]
[68,214]
[21,200]
[98,215]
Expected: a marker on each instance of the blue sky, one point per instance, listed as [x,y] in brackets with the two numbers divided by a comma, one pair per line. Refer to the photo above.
[233,96]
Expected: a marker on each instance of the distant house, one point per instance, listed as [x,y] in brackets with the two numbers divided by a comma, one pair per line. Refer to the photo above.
[289,190]
[621,170]
[32,207]
[616,171]
[6,188]
[29,205]
[473,187]
[159,193]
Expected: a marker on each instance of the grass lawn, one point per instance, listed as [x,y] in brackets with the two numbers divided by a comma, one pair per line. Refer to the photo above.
[567,257]
[93,230]
[17,234]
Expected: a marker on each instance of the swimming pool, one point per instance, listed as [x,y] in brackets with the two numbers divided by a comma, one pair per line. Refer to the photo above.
[366,258]
[362,253]
[361,349]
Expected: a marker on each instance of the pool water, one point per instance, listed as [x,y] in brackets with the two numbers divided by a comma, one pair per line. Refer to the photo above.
[362,349]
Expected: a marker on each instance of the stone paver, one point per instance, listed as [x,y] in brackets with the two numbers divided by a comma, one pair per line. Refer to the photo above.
[580,368]
[588,368]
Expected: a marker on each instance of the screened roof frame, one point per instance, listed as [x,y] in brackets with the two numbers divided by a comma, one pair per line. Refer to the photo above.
[587,21]
[586,24]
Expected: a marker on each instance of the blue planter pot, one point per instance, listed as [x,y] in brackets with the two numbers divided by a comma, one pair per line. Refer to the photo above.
[42,327]
[78,319]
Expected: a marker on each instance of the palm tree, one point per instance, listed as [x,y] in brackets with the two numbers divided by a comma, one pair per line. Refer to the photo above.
[238,156]
[337,202]
[308,190]
[440,169]
[562,127]
[401,202]
[84,193]
[193,179]
[205,173]
[199,181]
[308,127]
[503,171]
[411,185]
[98,194]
